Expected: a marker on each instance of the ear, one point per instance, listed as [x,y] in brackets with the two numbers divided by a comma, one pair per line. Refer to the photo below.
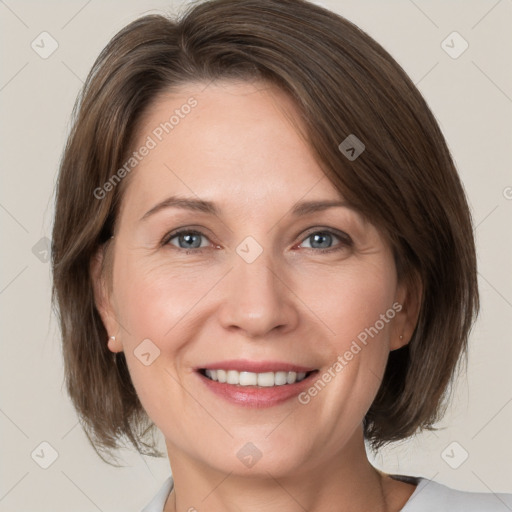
[408,301]
[102,298]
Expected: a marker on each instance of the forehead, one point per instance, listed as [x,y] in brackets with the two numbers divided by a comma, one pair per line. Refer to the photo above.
[227,141]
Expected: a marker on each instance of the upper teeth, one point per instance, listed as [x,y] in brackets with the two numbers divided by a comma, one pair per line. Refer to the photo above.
[266,379]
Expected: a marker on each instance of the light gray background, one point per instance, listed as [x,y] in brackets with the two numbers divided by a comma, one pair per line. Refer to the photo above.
[471,97]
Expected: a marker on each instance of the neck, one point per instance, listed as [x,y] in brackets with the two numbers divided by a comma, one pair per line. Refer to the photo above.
[345,481]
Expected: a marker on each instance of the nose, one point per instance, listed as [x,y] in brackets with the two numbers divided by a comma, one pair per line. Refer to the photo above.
[258,301]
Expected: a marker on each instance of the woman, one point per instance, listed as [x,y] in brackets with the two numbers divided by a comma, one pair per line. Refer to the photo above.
[262,247]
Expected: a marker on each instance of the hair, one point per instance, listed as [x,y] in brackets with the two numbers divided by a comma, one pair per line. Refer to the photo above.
[342,82]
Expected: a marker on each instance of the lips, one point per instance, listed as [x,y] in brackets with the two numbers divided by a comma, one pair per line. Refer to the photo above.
[256,383]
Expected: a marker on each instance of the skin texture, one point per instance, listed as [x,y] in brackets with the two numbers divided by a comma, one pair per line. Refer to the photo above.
[297,303]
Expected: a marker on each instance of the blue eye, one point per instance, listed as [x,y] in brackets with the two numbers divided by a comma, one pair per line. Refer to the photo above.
[187,239]
[191,241]
[323,240]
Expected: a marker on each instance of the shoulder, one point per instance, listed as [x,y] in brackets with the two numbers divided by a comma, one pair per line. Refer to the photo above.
[430,495]
[158,502]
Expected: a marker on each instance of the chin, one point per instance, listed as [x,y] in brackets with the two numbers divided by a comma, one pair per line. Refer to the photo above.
[258,455]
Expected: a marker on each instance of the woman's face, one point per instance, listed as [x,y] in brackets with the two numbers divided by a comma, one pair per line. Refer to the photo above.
[271,282]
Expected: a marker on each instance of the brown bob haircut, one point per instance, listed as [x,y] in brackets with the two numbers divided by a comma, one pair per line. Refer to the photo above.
[342,83]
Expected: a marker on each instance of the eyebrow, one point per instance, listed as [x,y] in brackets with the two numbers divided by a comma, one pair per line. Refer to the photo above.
[200,205]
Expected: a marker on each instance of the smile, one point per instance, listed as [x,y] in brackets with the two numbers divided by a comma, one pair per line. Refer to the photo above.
[272,385]
[265,379]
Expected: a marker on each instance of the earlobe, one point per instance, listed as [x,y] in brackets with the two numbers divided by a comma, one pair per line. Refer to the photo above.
[406,320]
[102,299]
[114,344]
[398,342]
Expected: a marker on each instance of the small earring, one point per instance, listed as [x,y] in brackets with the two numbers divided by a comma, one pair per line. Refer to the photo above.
[113,338]
[401,337]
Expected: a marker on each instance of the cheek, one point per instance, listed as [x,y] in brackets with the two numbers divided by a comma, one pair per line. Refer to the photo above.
[153,299]
[351,302]
[151,310]
[157,306]
[360,313]
[359,309]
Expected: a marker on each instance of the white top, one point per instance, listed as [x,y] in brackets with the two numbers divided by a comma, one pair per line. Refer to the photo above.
[428,496]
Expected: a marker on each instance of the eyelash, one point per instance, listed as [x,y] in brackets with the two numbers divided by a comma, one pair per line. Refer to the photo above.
[345,240]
